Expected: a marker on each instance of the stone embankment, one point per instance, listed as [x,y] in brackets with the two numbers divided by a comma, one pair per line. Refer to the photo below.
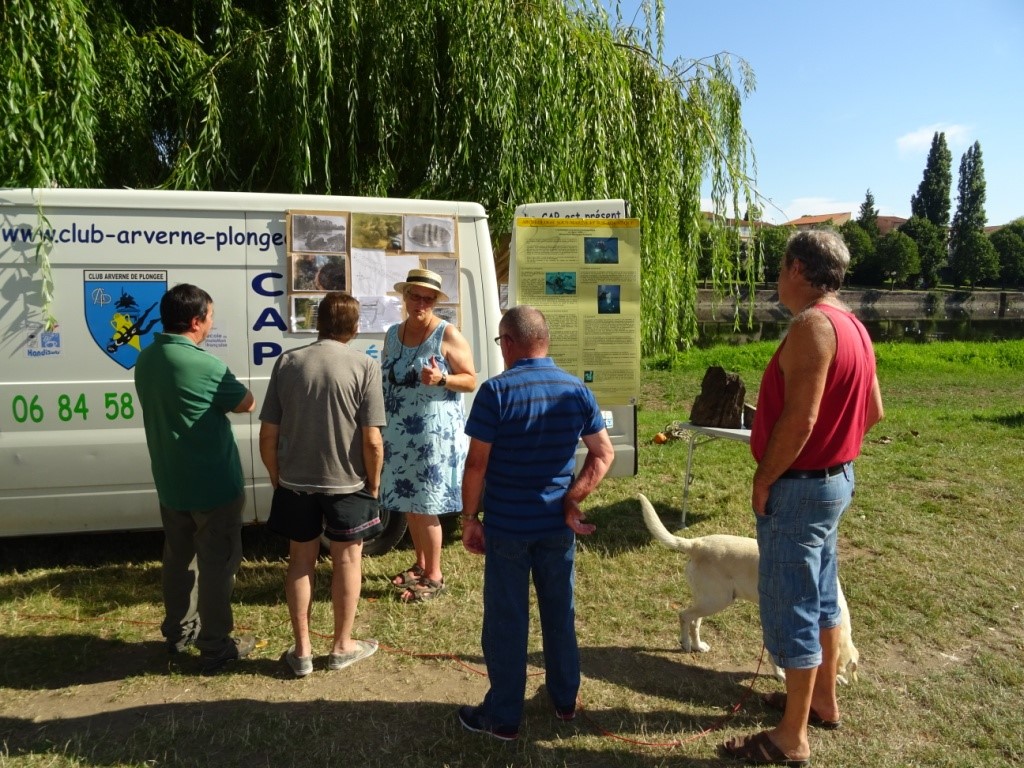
[875,304]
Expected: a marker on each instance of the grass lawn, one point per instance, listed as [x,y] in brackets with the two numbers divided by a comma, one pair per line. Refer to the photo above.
[931,555]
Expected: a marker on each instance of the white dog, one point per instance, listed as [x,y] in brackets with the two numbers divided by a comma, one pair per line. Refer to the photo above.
[722,568]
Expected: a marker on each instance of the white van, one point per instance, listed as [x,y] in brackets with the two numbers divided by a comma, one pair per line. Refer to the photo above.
[72,450]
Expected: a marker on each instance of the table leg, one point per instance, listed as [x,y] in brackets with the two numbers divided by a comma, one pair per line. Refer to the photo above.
[688,477]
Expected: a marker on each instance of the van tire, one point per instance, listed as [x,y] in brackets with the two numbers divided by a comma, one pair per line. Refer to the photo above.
[395,527]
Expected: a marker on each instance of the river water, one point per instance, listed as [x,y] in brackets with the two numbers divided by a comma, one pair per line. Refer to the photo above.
[887,329]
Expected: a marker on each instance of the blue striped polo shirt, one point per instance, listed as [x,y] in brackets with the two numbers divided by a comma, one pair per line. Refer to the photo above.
[533,416]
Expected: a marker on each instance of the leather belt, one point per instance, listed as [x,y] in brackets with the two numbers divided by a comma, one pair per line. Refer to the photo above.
[808,474]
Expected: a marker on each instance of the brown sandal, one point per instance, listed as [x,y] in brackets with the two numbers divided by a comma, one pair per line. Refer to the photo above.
[423,590]
[777,700]
[407,578]
[759,749]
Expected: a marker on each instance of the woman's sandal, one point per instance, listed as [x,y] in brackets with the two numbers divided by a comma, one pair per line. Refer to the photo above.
[759,749]
[423,590]
[407,578]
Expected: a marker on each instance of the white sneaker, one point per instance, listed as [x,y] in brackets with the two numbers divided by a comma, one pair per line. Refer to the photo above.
[301,665]
[365,650]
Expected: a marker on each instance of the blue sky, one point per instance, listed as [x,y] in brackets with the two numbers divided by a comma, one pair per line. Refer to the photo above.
[849,95]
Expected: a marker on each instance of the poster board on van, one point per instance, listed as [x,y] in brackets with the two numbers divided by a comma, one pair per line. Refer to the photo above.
[366,254]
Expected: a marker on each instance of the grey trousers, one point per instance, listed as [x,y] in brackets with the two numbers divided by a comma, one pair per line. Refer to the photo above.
[202,552]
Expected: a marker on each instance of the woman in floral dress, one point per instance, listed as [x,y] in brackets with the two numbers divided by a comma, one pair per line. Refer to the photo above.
[427,365]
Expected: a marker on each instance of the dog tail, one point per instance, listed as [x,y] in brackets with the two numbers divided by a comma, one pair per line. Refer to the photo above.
[658,529]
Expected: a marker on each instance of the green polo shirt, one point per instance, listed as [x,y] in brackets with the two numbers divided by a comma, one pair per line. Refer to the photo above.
[186,393]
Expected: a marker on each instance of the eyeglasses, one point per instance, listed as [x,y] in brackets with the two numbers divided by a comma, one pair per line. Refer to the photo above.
[421,298]
[409,380]
[497,339]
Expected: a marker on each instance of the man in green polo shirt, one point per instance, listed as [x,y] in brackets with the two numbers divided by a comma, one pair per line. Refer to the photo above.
[186,394]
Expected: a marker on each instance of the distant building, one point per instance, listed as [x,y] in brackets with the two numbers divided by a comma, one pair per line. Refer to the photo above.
[887,224]
[745,229]
[813,222]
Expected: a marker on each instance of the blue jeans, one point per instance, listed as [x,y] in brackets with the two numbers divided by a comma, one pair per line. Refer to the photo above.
[799,568]
[507,569]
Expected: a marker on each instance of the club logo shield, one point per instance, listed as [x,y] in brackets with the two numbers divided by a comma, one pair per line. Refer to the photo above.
[122,311]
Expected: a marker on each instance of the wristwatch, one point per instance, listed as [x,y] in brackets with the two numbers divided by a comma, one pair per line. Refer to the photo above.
[444,380]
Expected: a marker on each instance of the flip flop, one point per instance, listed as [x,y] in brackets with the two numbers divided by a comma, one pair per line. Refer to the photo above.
[406,578]
[777,700]
[759,749]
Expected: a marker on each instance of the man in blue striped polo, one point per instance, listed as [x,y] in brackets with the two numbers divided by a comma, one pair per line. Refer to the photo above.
[524,428]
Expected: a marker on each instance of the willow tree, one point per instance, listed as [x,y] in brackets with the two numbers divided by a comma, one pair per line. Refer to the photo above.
[498,101]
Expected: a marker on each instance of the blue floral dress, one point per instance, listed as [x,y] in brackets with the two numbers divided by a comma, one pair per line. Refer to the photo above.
[425,443]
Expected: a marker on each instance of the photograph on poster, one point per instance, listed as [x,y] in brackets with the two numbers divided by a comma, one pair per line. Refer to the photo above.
[319,232]
[558,283]
[600,250]
[608,300]
[430,234]
[318,272]
[304,309]
[377,230]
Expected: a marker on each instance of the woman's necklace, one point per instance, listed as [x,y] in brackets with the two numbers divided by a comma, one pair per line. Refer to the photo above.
[404,335]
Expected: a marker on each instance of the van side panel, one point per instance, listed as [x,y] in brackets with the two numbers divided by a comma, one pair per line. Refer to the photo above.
[72,450]
[73,455]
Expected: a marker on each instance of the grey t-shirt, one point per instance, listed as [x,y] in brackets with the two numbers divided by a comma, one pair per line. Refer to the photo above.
[321,396]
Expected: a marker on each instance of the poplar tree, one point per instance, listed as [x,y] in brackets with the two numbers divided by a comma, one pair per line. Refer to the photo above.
[493,101]
[867,217]
[931,201]
[972,258]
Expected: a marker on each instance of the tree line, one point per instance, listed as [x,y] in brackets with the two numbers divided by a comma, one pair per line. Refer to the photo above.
[929,248]
[500,102]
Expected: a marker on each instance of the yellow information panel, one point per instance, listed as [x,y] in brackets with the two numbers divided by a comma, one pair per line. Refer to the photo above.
[584,275]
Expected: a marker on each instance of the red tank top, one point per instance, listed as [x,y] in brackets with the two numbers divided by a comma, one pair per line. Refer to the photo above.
[839,431]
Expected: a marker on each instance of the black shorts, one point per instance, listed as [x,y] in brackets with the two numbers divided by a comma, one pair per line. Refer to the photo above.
[339,517]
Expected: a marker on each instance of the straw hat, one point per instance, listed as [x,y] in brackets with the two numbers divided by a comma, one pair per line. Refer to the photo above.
[423,278]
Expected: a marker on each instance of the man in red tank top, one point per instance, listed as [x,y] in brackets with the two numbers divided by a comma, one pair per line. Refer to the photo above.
[818,398]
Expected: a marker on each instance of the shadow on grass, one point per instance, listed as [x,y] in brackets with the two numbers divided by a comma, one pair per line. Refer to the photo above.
[646,672]
[314,731]
[621,529]
[1011,420]
[53,662]
[116,548]
[247,732]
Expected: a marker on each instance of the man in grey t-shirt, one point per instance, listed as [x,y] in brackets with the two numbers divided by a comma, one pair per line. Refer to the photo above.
[321,443]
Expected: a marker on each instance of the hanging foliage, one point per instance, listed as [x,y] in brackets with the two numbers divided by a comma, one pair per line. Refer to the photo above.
[502,102]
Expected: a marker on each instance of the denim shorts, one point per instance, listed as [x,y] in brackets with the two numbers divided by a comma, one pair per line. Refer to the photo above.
[339,517]
[799,570]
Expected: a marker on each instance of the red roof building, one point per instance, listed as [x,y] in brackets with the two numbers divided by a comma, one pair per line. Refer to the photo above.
[811,222]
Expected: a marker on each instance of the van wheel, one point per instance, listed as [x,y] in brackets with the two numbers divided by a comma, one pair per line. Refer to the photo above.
[395,527]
